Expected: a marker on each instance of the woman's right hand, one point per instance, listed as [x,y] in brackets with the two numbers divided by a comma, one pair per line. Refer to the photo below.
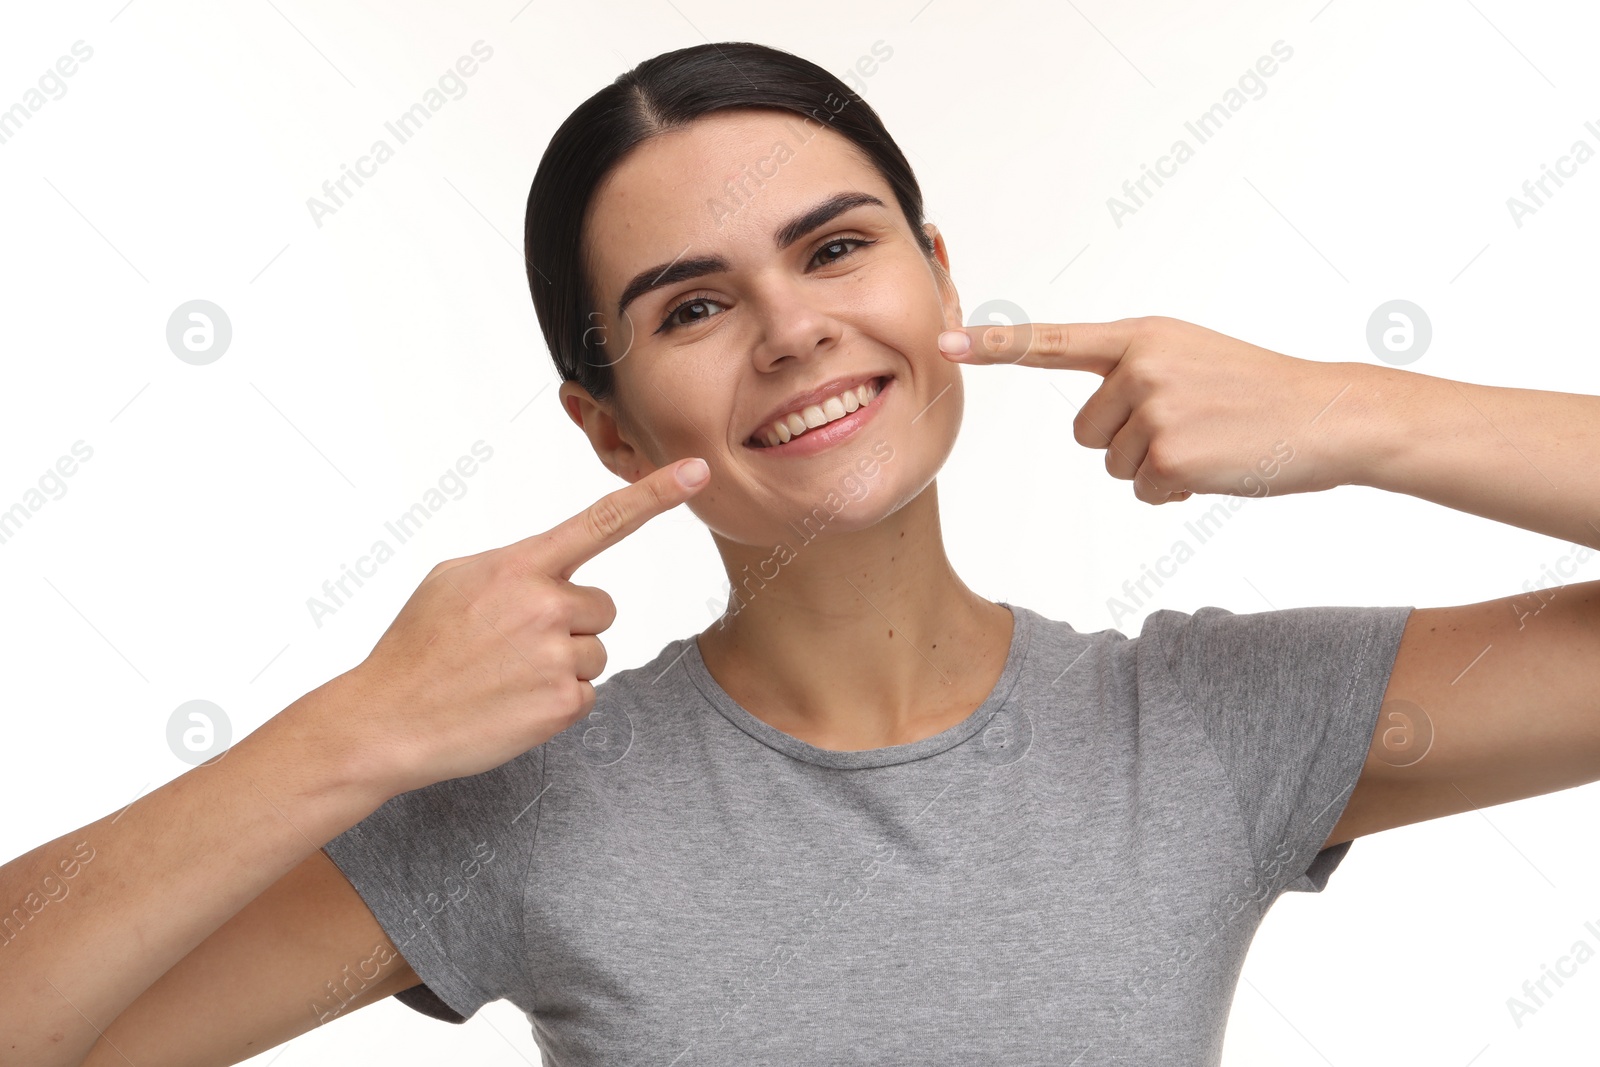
[494,652]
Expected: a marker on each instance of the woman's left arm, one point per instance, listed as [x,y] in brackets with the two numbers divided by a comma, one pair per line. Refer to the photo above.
[1488,702]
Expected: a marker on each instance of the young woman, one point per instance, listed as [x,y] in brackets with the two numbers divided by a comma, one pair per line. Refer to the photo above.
[867,814]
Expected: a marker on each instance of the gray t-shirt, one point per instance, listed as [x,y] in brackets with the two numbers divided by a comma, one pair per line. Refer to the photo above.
[1071,875]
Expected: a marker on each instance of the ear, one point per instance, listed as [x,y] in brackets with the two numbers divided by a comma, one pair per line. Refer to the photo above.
[949,299]
[610,439]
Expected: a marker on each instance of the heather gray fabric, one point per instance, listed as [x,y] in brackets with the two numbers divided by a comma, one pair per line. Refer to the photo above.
[1071,875]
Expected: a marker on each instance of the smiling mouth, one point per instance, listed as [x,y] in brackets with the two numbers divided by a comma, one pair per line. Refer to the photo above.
[816,416]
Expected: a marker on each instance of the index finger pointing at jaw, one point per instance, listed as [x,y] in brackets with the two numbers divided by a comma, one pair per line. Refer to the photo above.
[562,549]
[1092,346]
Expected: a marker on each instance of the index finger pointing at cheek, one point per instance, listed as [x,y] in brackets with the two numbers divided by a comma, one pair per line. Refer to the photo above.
[1092,346]
[564,548]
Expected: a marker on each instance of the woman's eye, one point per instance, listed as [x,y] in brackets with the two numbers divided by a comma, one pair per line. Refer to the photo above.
[848,244]
[673,320]
[835,250]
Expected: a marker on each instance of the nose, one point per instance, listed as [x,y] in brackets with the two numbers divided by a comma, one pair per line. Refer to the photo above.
[794,321]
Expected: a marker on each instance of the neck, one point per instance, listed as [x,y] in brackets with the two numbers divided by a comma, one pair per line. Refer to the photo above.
[856,639]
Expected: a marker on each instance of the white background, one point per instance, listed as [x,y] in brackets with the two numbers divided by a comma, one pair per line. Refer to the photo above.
[368,354]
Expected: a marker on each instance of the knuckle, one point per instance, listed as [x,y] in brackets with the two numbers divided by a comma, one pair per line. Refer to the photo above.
[1050,337]
[604,518]
[555,666]
[459,561]
[545,611]
[1083,430]
[1142,374]
[513,568]
[660,494]
[448,590]
[1155,414]
[578,697]
[1161,464]
[444,566]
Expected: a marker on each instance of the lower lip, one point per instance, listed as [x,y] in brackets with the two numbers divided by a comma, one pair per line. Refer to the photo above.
[826,436]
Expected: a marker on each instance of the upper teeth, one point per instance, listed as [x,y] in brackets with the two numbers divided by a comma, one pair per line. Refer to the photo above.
[813,415]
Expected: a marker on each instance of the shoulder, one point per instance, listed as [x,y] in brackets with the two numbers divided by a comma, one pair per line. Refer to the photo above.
[1328,634]
[1216,655]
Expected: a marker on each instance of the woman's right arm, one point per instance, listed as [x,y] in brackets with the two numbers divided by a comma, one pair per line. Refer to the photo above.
[165,888]
[202,924]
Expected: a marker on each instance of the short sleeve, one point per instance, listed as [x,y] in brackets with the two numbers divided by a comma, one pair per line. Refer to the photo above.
[443,869]
[1289,701]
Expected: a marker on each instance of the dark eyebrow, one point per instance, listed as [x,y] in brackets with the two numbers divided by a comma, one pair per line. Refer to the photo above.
[679,270]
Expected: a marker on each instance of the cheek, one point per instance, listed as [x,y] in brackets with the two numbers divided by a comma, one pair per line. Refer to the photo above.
[675,411]
[902,298]
[902,309]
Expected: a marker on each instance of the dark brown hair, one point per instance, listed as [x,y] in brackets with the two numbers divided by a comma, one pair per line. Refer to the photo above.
[664,93]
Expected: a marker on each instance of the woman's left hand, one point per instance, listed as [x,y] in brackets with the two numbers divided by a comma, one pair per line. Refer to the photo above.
[1184,409]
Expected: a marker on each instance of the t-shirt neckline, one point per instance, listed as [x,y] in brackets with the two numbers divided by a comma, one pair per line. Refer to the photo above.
[772,737]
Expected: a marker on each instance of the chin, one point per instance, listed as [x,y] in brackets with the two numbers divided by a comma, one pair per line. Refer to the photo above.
[860,484]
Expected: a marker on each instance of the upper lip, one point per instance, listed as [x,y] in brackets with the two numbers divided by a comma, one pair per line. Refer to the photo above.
[831,387]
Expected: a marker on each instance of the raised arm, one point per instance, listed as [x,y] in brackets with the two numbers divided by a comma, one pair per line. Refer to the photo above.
[1499,700]
[1487,702]
[214,887]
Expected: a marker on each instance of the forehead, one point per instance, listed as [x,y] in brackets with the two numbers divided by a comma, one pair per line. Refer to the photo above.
[723,184]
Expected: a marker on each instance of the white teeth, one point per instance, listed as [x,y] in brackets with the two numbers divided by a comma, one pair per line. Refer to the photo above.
[811,416]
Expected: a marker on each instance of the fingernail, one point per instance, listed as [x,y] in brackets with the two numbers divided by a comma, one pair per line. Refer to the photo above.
[955,342]
[693,473]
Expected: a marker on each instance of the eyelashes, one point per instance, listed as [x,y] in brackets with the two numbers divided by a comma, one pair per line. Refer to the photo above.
[670,322]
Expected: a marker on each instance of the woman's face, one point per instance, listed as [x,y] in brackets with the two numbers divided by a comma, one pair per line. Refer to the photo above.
[740,298]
